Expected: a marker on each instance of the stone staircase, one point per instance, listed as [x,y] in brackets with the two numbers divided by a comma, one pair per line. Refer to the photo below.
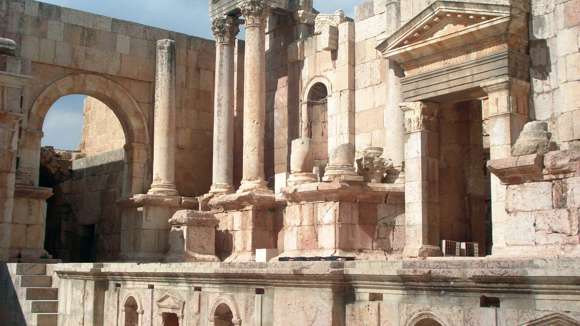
[36,293]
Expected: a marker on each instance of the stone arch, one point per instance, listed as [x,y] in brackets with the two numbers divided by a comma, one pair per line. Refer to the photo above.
[230,303]
[118,99]
[131,301]
[425,318]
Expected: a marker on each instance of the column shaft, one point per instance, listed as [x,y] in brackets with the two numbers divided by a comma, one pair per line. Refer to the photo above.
[254,96]
[164,123]
[421,180]
[225,30]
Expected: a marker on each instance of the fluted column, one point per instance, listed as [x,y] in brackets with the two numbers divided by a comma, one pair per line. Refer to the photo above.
[254,12]
[225,30]
[164,123]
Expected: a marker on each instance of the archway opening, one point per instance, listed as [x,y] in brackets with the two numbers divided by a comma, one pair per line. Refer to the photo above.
[170,319]
[83,160]
[316,127]
[131,314]
[223,316]
[428,322]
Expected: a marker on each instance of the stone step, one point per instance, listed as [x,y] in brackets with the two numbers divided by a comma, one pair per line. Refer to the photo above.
[44,306]
[35,281]
[41,294]
[30,269]
[45,319]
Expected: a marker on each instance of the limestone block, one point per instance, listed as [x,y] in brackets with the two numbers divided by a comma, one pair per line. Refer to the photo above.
[529,197]
[520,229]
[567,41]
[35,236]
[362,313]
[573,193]
[327,40]
[554,221]
[533,139]
[55,31]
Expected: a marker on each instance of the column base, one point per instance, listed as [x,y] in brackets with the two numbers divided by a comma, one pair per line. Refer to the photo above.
[254,186]
[422,251]
[163,189]
[221,188]
[301,178]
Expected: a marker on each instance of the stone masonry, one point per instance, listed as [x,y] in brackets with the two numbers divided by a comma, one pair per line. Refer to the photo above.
[415,165]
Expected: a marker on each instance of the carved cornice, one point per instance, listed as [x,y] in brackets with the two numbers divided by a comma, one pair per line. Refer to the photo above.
[254,12]
[225,29]
[307,17]
[325,20]
[419,116]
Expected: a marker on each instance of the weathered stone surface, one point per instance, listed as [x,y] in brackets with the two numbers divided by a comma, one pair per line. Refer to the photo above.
[534,139]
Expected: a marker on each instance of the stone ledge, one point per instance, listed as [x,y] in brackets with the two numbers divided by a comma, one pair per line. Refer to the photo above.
[32,192]
[141,200]
[242,200]
[344,192]
[518,169]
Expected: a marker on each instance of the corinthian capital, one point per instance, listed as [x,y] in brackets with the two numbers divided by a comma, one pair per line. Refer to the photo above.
[419,116]
[254,11]
[225,29]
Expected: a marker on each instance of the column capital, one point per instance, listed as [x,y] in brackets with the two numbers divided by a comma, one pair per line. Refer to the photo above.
[165,44]
[419,115]
[307,17]
[225,29]
[254,12]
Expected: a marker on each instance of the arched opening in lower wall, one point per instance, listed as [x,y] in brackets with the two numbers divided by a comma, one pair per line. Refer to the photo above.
[428,322]
[223,316]
[131,314]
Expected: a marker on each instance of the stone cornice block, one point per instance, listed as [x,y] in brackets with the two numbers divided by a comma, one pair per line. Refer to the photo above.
[141,200]
[253,199]
[32,192]
[518,169]
[344,192]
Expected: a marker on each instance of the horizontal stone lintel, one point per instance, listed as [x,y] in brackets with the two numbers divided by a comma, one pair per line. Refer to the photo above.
[142,200]
[463,77]
[343,192]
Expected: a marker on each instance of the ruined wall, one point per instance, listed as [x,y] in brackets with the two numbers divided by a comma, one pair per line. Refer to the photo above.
[56,42]
[555,67]
[102,131]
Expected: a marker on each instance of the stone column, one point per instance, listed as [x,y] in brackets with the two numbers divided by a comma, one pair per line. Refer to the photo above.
[394,126]
[164,124]
[506,112]
[225,30]
[254,12]
[421,179]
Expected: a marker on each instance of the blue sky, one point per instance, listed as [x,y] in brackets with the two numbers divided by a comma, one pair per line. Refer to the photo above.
[63,124]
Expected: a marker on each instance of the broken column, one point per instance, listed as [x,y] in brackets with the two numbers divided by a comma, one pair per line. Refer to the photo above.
[192,236]
[254,12]
[421,179]
[225,30]
[164,123]
[301,163]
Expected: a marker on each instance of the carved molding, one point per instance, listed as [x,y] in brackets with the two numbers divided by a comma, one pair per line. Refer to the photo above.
[225,29]
[254,12]
[307,17]
[419,115]
[326,20]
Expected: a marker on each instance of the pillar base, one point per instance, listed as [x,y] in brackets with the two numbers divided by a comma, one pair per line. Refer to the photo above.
[301,178]
[422,251]
[163,189]
[221,188]
[254,186]
[192,237]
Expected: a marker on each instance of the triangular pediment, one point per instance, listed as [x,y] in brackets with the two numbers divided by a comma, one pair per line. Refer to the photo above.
[442,21]
[169,302]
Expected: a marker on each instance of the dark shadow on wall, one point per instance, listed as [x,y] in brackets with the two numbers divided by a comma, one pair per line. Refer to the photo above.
[10,311]
[83,223]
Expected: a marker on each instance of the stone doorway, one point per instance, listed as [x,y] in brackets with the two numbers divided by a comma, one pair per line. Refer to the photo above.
[131,315]
[170,319]
[428,322]
[223,316]
[464,181]
[317,124]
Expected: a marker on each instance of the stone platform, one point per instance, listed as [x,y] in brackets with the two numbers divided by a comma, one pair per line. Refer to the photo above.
[453,292]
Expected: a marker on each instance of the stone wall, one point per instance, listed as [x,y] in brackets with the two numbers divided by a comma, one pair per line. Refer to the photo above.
[555,67]
[102,131]
[56,43]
